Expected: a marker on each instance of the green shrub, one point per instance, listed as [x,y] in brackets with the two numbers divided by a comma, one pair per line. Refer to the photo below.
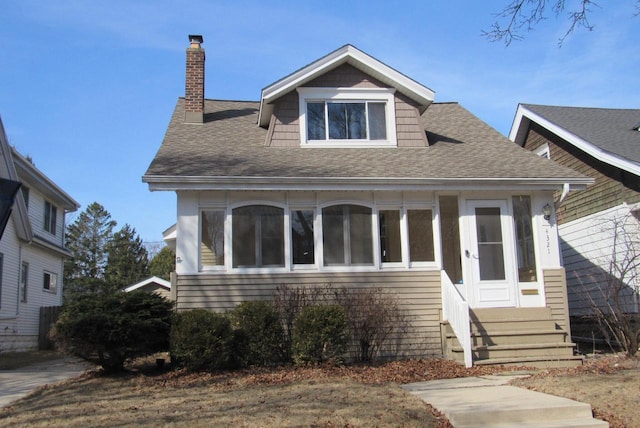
[319,334]
[259,334]
[109,329]
[202,340]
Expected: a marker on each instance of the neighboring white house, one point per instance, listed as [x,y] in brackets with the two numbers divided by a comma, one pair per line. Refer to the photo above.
[154,284]
[347,172]
[32,250]
[599,228]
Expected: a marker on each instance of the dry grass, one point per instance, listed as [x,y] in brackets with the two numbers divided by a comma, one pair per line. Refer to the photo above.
[354,396]
[611,384]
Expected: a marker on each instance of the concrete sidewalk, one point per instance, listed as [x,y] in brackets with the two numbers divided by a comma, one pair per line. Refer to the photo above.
[488,401]
[15,384]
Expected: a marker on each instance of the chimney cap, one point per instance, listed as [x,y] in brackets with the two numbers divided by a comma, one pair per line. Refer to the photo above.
[195,39]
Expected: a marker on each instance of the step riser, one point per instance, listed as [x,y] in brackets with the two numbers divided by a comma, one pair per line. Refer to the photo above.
[510,314]
[551,353]
[495,327]
[559,363]
[518,339]
[542,414]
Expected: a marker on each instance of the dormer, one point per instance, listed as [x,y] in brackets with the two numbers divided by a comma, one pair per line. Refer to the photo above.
[345,99]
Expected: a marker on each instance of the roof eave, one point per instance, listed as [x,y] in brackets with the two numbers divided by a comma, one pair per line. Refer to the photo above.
[525,116]
[178,183]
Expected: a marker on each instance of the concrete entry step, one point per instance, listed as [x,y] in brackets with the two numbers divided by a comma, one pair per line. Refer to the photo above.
[488,402]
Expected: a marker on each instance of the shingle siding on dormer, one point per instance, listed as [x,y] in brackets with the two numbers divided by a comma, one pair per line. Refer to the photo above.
[284,128]
[609,189]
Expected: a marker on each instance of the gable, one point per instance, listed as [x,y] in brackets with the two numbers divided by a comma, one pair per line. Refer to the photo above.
[284,126]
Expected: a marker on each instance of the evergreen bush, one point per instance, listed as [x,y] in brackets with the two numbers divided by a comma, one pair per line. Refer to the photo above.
[320,334]
[202,340]
[109,329]
[259,334]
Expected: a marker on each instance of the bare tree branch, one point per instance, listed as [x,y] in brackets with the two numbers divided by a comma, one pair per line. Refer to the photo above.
[521,16]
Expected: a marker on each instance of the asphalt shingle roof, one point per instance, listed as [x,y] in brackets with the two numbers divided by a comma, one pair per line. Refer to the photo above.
[611,130]
[231,144]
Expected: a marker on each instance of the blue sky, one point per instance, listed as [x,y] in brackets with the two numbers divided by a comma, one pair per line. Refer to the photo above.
[87,87]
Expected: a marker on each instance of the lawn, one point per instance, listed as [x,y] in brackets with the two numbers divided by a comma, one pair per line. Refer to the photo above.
[354,396]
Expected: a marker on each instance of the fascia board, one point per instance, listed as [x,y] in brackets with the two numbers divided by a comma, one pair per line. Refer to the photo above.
[346,54]
[28,172]
[153,280]
[165,183]
[520,124]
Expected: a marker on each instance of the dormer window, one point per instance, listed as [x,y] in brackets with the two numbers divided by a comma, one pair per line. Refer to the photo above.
[347,117]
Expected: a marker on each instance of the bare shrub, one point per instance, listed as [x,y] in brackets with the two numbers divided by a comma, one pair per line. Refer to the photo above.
[610,289]
[376,322]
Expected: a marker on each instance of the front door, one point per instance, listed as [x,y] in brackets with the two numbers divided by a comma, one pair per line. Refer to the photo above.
[489,258]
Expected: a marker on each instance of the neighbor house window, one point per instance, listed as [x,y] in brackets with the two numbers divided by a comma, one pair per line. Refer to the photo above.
[524,239]
[302,237]
[50,281]
[24,280]
[25,195]
[390,242]
[347,236]
[421,248]
[347,116]
[212,238]
[258,236]
[50,214]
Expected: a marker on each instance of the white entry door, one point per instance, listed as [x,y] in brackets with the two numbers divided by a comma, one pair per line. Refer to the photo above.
[489,255]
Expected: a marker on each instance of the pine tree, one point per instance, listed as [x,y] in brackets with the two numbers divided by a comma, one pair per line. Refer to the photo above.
[87,239]
[127,260]
[163,263]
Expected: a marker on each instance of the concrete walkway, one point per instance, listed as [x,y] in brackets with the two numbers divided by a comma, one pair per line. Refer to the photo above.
[488,401]
[15,384]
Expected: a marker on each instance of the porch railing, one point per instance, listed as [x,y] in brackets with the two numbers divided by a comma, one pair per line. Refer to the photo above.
[455,310]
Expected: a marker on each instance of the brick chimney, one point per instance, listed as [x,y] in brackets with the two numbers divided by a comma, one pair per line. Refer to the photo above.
[194,85]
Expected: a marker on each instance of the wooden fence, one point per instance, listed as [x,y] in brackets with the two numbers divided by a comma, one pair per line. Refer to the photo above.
[48,316]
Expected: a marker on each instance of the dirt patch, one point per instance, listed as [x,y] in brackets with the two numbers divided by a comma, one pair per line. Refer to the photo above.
[611,385]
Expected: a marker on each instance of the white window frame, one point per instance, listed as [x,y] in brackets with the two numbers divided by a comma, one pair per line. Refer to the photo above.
[288,223]
[50,220]
[53,282]
[203,267]
[385,95]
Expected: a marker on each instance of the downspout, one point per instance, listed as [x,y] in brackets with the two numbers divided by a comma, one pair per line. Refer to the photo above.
[563,196]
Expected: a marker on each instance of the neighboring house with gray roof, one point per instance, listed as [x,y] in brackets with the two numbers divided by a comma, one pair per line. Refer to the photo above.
[347,172]
[600,225]
[153,284]
[32,251]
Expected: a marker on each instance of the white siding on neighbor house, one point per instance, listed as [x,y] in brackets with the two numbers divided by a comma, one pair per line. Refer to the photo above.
[36,216]
[587,250]
[19,321]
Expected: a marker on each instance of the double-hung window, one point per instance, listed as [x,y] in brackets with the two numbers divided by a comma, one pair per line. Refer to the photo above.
[50,282]
[258,236]
[50,217]
[343,117]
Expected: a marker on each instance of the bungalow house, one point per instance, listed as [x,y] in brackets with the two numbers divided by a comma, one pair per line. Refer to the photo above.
[599,227]
[347,172]
[32,250]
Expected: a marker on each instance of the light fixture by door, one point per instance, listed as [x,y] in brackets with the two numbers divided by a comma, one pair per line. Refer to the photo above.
[546,211]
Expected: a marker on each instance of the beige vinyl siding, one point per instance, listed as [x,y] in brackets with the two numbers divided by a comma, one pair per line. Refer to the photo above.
[556,295]
[418,291]
[284,128]
[606,192]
